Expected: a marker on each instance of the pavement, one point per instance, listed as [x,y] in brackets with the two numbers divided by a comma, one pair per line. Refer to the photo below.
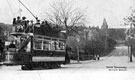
[115,66]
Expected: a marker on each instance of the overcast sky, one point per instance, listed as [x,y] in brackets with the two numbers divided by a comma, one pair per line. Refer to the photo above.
[97,10]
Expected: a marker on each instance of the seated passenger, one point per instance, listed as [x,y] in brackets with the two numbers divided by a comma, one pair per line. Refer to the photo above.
[18,20]
[20,29]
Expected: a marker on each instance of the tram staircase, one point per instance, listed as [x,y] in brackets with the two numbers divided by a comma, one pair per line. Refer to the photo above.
[28,29]
[24,44]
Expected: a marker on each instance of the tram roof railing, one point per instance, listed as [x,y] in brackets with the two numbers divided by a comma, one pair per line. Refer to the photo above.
[43,37]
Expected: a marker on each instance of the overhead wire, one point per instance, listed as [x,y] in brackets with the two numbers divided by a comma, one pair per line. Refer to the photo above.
[20,10]
[10,8]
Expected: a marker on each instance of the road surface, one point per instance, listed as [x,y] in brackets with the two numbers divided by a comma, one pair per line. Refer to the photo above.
[115,66]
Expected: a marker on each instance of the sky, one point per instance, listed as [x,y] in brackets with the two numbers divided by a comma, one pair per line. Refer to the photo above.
[96,10]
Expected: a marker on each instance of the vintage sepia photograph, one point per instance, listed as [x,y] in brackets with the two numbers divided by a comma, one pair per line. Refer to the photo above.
[67,39]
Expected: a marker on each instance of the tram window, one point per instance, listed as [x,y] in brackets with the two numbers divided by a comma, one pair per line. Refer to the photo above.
[54,45]
[57,45]
[38,44]
[61,45]
[46,45]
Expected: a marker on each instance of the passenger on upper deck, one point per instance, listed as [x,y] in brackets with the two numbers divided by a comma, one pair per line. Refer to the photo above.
[27,23]
[38,23]
[24,22]
[26,27]
[17,23]
[18,20]
[30,25]
[20,29]
[14,21]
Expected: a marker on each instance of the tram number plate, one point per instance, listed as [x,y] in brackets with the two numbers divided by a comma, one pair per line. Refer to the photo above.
[9,57]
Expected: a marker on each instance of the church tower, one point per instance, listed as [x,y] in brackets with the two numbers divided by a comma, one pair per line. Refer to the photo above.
[104,25]
[104,32]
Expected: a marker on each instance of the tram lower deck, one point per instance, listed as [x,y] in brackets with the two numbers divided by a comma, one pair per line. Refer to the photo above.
[37,51]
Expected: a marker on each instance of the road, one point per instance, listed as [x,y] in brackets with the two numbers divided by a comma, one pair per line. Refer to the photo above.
[115,66]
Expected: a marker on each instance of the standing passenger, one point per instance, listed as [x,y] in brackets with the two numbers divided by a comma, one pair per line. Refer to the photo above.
[18,20]
[67,58]
[14,21]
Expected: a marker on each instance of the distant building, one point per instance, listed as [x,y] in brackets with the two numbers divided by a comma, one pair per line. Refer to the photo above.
[93,33]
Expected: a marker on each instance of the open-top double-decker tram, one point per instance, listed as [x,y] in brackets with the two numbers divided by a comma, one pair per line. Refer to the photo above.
[35,45]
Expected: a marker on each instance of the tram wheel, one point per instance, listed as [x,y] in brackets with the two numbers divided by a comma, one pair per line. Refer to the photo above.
[26,67]
[23,67]
[52,65]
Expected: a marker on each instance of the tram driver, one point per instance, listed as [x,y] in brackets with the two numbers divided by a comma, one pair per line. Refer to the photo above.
[12,46]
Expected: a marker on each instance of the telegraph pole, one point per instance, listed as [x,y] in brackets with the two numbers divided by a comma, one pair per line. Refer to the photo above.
[131,51]
[78,55]
[86,39]
[131,46]
[128,46]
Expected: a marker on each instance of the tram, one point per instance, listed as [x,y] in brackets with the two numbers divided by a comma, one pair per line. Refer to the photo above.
[35,47]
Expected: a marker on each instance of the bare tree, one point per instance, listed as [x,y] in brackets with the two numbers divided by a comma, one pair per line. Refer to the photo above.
[131,18]
[64,14]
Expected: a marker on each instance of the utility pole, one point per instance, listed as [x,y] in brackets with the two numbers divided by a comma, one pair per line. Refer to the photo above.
[131,51]
[131,46]
[86,38]
[78,55]
[128,47]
